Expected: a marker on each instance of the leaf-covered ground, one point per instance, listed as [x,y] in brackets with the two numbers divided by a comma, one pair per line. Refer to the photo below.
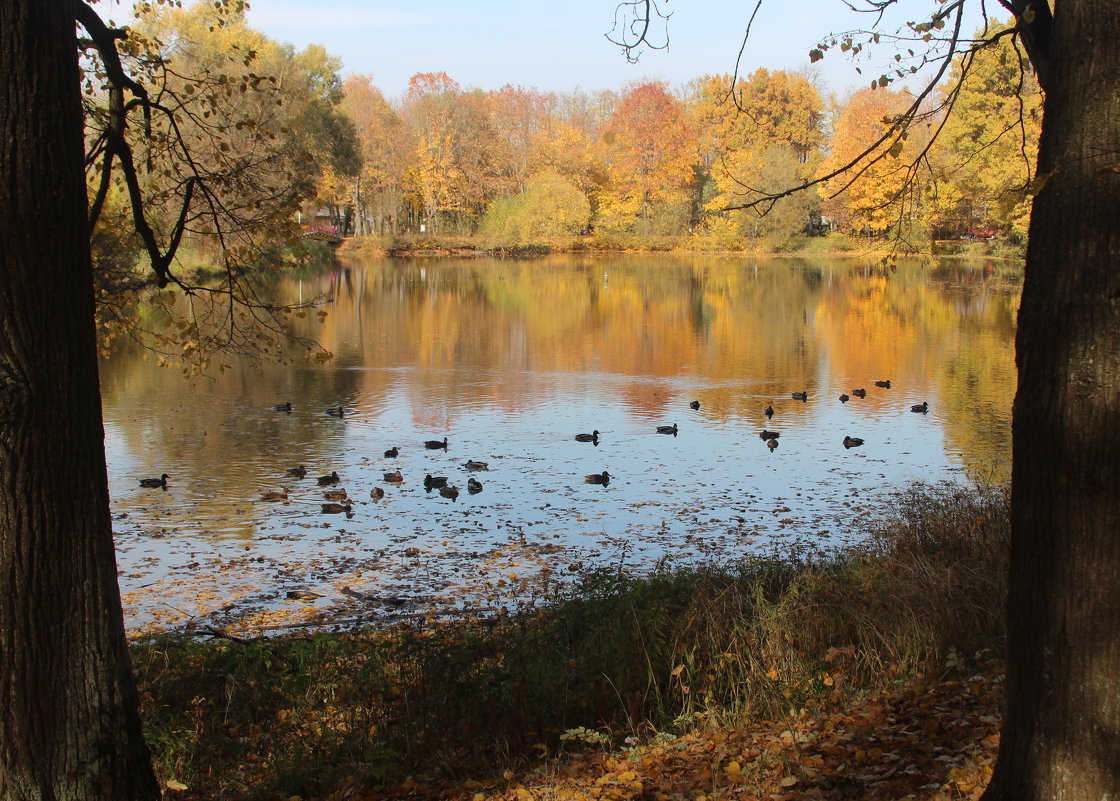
[923,741]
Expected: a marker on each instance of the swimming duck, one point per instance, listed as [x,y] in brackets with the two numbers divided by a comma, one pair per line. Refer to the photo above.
[275,495]
[603,478]
[155,482]
[449,492]
[473,464]
[884,384]
[435,444]
[769,412]
[392,453]
[769,434]
[772,444]
[434,481]
[336,508]
[844,398]
[592,437]
[922,407]
[326,481]
[337,411]
[694,405]
[298,472]
[859,393]
[668,429]
[394,477]
[474,486]
[377,493]
[304,595]
[282,407]
[852,442]
[801,396]
[335,495]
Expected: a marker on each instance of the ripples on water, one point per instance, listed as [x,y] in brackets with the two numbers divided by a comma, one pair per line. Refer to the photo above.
[447,349]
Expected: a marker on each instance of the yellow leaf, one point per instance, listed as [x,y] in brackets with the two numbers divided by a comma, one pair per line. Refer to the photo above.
[175,785]
[772,674]
[788,781]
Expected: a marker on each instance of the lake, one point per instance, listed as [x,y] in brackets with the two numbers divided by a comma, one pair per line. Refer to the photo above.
[509,360]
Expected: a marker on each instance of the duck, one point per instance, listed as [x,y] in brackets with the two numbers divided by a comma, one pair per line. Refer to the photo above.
[801,396]
[275,495]
[474,486]
[844,398]
[304,595]
[769,412]
[282,407]
[769,434]
[392,453]
[473,464]
[668,429]
[326,481]
[435,444]
[449,492]
[922,407]
[335,495]
[155,482]
[694,405]
[337,411]
[336,508]
[852,442]
[772,444]
[592,437]
[434,481]
[298,472]
[884,384]
[394,477]
[603,478]
[859,393]
[377,493]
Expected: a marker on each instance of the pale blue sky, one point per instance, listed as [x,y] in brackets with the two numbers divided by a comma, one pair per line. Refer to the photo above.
[555,45]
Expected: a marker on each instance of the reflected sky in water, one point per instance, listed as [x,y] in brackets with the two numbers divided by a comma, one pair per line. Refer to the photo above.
[509,360]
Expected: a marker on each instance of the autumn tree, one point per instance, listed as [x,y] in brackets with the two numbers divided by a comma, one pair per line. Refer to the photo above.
[651,155]
[453,172]
[385,144]
[1062,721]
[521,118]
[985,155]
[184,155]
[235,131]
[69,726]
[879,192]
[756,136]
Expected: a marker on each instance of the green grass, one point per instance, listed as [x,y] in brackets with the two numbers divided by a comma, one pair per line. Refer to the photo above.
[619,654]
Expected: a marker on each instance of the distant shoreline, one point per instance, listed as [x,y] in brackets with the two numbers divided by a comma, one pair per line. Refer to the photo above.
[835,246]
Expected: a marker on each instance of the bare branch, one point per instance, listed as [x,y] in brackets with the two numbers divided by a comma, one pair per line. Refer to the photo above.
[631,31]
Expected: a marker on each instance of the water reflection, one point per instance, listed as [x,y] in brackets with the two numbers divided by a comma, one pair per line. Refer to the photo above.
[510,360]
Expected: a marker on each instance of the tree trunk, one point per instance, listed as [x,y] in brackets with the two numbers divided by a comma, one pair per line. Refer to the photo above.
[69,727]
[1061,734]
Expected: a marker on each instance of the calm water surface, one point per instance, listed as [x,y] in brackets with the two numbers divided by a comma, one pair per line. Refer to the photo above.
[509,360]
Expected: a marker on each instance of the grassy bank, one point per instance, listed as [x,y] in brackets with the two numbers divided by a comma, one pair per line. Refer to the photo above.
[834,244]
[619,658]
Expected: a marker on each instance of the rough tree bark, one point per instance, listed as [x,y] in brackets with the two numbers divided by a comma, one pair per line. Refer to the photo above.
[1061,733]
[69,727]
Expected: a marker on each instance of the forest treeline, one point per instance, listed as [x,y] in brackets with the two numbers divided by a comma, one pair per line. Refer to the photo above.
[285,137]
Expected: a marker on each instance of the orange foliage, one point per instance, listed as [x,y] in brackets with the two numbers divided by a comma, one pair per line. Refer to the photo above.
[650,156]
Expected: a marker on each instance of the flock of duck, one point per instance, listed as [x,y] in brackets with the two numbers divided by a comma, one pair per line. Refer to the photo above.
[769,437]
[336,500]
